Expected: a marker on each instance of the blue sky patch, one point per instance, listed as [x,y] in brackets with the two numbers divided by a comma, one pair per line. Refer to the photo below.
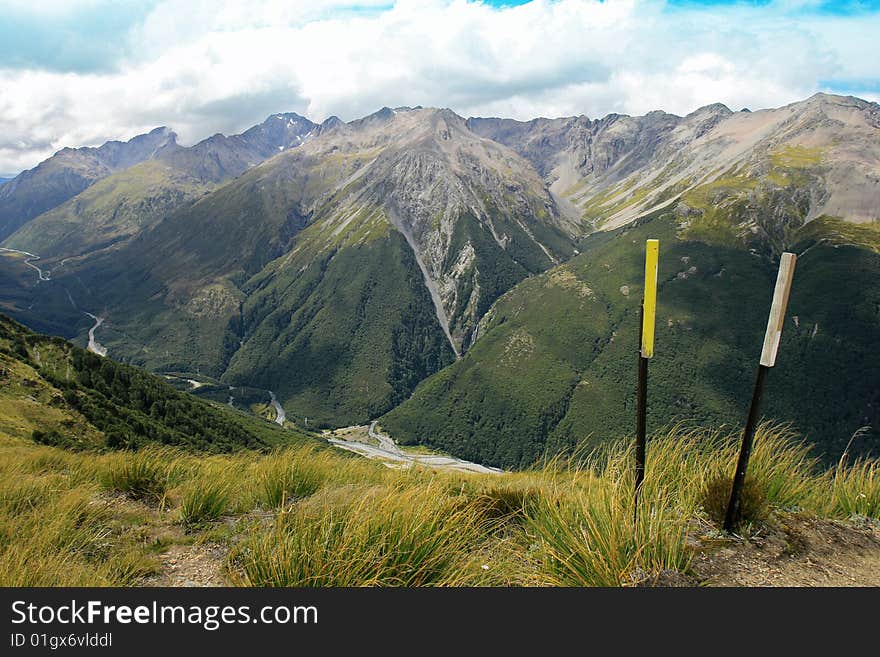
[93,38]
[857,86]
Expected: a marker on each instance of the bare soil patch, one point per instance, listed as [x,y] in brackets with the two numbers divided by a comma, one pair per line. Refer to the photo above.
[794,551]
[191,565]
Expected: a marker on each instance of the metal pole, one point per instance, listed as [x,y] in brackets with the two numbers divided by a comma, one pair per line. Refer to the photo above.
[745,451]
[769,351]
[641,411]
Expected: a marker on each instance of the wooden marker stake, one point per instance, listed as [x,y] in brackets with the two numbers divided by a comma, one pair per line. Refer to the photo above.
[646,351]
[768,360]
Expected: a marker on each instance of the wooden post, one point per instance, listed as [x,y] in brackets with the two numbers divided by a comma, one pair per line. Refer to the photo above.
[768,359]
[646,351]
[641,412]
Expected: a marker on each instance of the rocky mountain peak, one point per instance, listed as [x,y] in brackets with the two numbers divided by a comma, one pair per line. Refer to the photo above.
[715,109]
[280,131]
[384,115]
[116,154]
[330,122]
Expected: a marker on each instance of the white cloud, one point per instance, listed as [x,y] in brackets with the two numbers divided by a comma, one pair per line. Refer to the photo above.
[203,67]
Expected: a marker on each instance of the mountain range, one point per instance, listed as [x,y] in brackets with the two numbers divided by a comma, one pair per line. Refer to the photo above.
[474,283]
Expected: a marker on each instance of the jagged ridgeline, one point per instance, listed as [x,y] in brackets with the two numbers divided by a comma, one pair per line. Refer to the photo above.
[58,394]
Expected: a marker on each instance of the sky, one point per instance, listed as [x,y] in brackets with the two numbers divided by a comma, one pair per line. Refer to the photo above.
[80,72]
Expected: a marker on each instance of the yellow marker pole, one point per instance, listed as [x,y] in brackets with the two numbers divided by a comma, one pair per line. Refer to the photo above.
[652,253]
[768,359]
[646,351]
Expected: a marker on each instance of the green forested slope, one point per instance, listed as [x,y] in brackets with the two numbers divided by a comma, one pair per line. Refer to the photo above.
[60,394]
[307,275]
[343,336]
[556,365]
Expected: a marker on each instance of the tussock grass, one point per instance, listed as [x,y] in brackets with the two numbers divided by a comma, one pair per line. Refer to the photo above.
[753,501]
[287,476]
[394,537]
[144,475]
[203,503]
[585,527]
[304,516]
[52,536]
[209,481]
[506,503]
[855,490]
[686,461]
[587,537]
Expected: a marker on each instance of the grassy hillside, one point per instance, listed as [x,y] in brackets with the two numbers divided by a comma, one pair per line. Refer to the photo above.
[556,364]
[58,394]
[68,172]
[109,211]
[301,517]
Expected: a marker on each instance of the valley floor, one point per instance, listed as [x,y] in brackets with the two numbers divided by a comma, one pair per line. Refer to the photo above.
[371,443]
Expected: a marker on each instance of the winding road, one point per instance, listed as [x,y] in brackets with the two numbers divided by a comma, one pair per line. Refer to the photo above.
[388,452]
[385,442]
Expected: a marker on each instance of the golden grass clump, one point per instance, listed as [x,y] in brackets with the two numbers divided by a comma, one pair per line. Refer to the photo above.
[144,475]
[289,475]
[753,506]
[855,490]
[203,503]
[395,536]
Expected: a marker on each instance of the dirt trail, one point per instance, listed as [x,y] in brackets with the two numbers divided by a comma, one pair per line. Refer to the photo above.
[796,552]
[191,565]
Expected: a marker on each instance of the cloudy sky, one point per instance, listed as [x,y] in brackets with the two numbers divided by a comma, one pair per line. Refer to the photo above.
[79,72]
